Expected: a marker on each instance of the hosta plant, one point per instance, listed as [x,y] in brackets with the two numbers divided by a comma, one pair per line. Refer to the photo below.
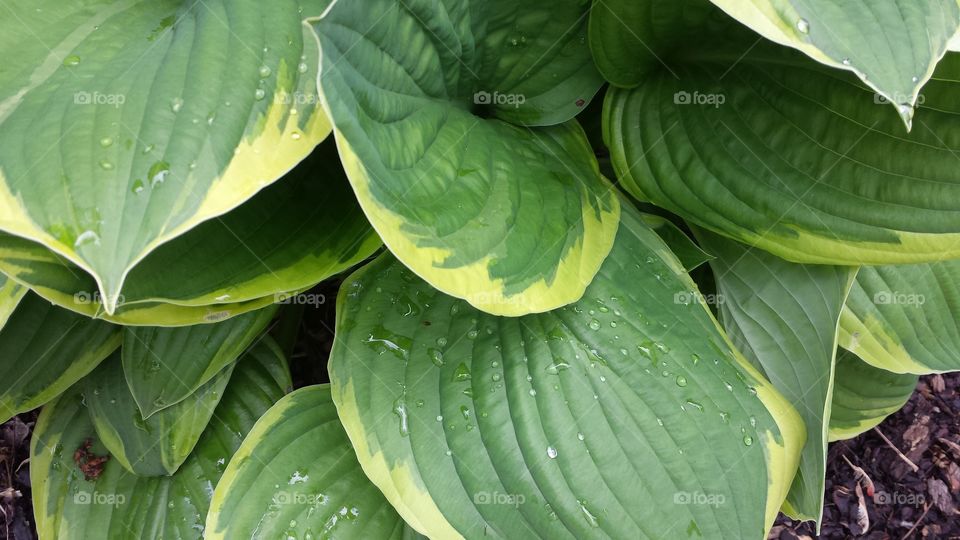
[613,269]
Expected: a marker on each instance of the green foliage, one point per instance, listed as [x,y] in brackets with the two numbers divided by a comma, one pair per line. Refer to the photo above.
[539,350]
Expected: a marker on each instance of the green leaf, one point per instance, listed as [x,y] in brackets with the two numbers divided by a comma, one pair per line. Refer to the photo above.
[892,45]
[433,105]
[766,146]
[120,505]
[124,125]
[904,318]
[295,233]
[628,38]
[163,366]
[11,293]
[296,476]
[44,350]
[154,446]
[864,395]
[785,317]
[605,417]
[680,244]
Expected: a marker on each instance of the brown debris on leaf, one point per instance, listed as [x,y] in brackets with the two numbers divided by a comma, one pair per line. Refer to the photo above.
[90,464]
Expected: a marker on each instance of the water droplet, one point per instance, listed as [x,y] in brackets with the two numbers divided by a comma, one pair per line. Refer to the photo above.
[260,94]
[551,452]
[532,392]
[296,135]
[436,356]
[176,105]
[137,186]
[696,358]
[846,61]
[465,412]
[496,377]
[557,366]
[580,436]
[695,404]
[681,380]
[302,68]
[265,72]
[462,373]
[915,79]
[87,238]
[442,341]
[72,60]
[472,334]
[106,165]
[439,418]
[106,142]
[591,519]
[594,324]
[400,409]
[724,417]
[383,340]
[803,26]
[158,173]
[747,440]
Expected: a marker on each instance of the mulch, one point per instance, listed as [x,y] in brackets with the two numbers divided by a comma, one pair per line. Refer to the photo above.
[897,502]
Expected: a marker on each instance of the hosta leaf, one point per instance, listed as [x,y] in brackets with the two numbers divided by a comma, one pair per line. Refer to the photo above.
[764,145]
[119,505]
[123,125]
[154,446]
[904,318]
[892,45]
[11,293]
[431,102]
[679,243]
[295,233]
[606,417]
[864,395]
[784,318]
[162,366]
[296,476]
[44,350]
[628,38]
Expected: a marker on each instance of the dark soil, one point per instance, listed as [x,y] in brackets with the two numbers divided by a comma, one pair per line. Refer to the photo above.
[904,503]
